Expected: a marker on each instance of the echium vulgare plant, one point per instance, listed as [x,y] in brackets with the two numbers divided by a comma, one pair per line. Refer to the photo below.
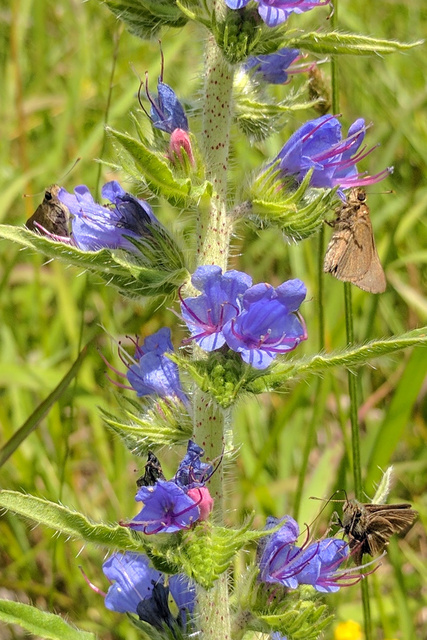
[176,567]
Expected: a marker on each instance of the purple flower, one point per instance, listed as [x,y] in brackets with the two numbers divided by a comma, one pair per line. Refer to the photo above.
[192,472]
[319,145]
[167,509]
[274,12]
[272,67]
[95,226]
[170,506]
[330,553]
[133,578]
[316,564]
[153,372]
[138,588]
[167,113]
[271,545]
[206,315]
[267,326]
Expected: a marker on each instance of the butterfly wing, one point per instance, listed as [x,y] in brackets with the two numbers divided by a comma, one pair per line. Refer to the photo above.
[51,215]
[351,255]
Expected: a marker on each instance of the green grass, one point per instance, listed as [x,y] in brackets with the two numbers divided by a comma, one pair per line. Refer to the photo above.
[56,59]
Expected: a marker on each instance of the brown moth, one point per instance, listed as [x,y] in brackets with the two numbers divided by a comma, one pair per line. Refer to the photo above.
[351,255]
[51,215]
[369,527]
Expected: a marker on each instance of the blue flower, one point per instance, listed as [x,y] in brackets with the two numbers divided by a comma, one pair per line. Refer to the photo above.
[153,372]
[271,545]
[319,145]
[139,589]
[166,113]
[132,579]
[95,226]
[192,472]
[206,315]
[267,326]
[167,509]
[170,506]
[317,564]
[274,12]
[272,67]
[330,553]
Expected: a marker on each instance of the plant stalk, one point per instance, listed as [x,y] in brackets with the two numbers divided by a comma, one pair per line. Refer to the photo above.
[213,238]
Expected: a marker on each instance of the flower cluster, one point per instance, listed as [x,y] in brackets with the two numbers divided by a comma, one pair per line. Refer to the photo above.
[259,321]
[95,226]
[319,146]
[170,506]
[316,564]
[140,589]
[274,12]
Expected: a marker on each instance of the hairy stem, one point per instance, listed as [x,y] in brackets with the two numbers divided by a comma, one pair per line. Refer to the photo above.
[214,227]
[213,238]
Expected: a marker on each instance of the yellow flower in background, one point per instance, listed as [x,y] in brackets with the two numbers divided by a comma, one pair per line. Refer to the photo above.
[349,630]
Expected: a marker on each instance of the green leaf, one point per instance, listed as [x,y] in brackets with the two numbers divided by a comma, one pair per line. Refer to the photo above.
[257,118]
[144,18]
[132,274]
[68,522]
[353,356]
[41,411]
[297,211]
[162,424]
[40,623]
[335,42]
[155,170]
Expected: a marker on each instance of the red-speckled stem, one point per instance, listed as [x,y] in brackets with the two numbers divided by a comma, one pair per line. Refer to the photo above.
[213,238]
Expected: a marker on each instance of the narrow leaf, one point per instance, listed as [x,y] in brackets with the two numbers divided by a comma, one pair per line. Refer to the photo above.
[336,42]
[351,357]
[41,411]
[69,522]
[40,623]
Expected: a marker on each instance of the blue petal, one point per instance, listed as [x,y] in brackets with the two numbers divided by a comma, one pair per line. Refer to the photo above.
[132,576]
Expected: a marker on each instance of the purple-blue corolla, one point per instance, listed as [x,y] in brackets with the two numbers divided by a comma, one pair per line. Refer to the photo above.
[132,578]
[274,12]
[95,226]
[317,564]
[169,506]
[273,67]
[152,371]
[138,588]
[318,145]
[220,301]
[267,325]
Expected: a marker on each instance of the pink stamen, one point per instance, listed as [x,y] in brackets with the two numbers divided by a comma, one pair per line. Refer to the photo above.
[91,585]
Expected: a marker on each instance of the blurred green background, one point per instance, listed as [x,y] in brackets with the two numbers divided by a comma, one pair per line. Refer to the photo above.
[56,60]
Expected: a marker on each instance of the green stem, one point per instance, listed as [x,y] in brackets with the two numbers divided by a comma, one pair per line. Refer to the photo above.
[213,238]
[214,226]
[320,287]
[352,377]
